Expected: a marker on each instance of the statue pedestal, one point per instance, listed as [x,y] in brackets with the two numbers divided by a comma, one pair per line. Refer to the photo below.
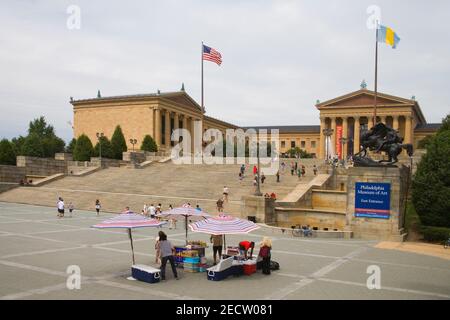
[376,200]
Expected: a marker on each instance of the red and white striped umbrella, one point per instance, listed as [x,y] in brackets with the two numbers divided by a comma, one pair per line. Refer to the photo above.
[187,211]
[129,220]
[223,224]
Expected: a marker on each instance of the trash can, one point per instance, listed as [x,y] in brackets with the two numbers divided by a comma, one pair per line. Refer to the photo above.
[251,218]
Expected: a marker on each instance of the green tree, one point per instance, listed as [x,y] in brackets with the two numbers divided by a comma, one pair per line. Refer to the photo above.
[33,146]
[7,154]
[118,143]
[71,145]
[17,144]
[431,183]
[83,149]
[49,142]
[297,152]
[148,144]
[107,151]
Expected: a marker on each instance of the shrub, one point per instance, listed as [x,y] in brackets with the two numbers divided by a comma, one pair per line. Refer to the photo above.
[118,143]
[148,144]
[83,149]
[435,234]
[107,151]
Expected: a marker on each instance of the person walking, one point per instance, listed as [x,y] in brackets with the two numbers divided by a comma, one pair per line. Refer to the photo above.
[70,207]
[263,178]
[217,241]
[292,168]
[167,249]
[226,192]
[219,205]
[60,206]
[255,170]
[97,206]
[264,252]
[278,176]
[315,170]
[303,171]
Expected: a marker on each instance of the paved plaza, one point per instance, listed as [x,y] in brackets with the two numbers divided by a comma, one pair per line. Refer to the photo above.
[36,248]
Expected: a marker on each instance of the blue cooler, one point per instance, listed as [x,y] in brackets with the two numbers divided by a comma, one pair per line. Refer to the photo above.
[145,273]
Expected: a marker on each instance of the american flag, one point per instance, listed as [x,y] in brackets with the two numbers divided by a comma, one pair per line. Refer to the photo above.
[212,55]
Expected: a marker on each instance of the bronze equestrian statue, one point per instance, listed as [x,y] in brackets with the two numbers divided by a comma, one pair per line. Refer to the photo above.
[381,138]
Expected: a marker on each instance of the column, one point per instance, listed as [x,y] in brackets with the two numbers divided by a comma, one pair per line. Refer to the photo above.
[322,139]
[167,129]
[345,135]
[176,123]
[157,133]
[185,127]
[408,129]
[192,130]
[356,145]
[333,137]
[395,124]
[383,119]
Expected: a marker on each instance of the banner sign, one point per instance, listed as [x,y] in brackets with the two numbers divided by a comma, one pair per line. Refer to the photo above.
[373,200]
[338,141]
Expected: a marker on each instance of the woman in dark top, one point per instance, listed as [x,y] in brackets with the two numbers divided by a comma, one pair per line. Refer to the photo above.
[264,253]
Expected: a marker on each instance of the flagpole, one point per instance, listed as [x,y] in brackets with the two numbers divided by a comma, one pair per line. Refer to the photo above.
[376,79]
[203,106]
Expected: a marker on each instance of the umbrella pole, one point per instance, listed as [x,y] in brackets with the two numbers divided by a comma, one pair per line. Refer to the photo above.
[186,223]
[224,244]
[131,241]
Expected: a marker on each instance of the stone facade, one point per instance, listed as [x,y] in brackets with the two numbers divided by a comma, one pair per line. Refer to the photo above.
[159,114]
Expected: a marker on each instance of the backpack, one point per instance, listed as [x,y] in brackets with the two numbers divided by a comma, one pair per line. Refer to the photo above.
[274,265]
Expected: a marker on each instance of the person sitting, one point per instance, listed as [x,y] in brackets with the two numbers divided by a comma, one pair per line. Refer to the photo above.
[127,210]
[307,232]
[244,246]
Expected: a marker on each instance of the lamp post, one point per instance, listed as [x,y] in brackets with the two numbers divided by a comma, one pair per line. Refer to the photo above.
[100,135]
[258,192]
[327,133]
[343,141]
[133,142]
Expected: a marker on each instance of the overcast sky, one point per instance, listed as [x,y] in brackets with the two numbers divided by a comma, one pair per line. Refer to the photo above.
[279,57]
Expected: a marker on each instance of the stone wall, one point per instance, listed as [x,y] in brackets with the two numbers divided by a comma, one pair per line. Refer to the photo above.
[136,157]
[379,229]
[41,166]
[12,174]
[261,208]
[336,200]
[320,219]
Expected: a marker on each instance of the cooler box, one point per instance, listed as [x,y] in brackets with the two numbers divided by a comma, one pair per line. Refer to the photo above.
[249,267]
[220,271]
[145,273]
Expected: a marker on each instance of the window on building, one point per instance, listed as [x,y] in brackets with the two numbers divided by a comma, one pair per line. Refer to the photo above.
[292,144]
[313,144]
[283,144]
[303,144]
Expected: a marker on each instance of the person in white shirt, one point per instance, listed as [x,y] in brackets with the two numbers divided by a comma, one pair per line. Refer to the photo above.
[225,193]
[60,205]
[152,211]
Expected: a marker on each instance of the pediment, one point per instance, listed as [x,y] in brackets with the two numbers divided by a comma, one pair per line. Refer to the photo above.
[364,98]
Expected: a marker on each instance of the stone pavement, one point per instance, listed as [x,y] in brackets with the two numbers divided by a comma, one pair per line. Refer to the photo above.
[37,247]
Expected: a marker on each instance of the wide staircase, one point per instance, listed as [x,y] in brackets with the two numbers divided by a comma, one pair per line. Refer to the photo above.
[164,183]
